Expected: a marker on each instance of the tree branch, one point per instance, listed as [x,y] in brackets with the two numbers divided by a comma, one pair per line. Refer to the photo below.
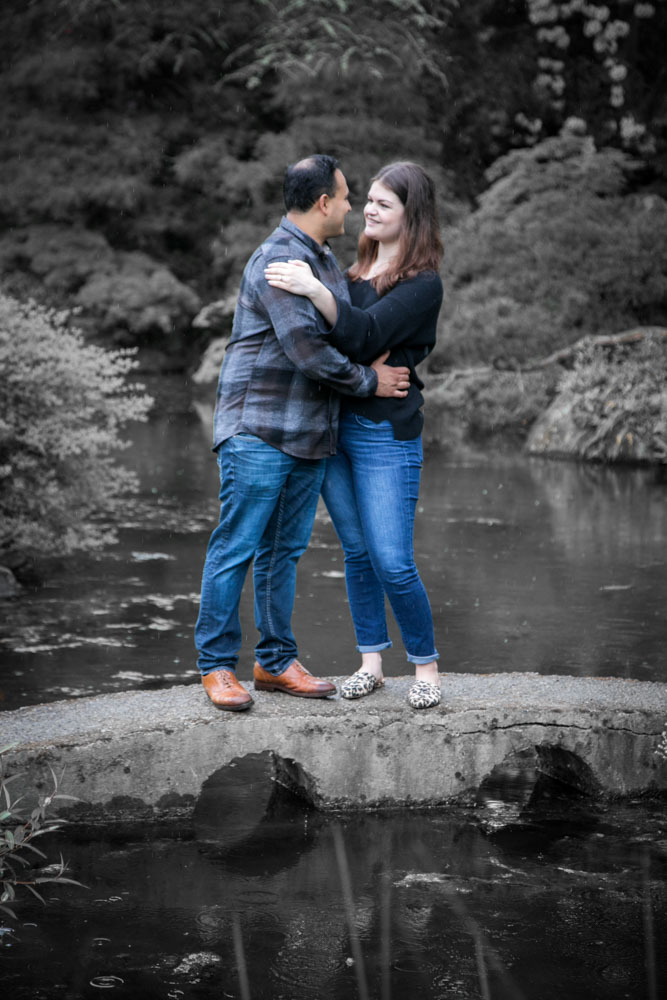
[564,353]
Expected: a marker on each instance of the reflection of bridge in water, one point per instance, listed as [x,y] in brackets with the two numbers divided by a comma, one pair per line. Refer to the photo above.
[496,740]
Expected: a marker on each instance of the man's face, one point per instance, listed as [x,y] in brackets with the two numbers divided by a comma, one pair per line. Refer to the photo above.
[338,207]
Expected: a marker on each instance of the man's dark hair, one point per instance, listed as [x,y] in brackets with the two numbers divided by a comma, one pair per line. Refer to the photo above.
[307,180]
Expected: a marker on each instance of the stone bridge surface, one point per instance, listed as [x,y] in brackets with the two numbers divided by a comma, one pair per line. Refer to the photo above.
[149,754]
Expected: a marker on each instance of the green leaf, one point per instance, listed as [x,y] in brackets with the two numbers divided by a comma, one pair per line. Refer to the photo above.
[32,889]
[329,28]
[71,881]
[30,847]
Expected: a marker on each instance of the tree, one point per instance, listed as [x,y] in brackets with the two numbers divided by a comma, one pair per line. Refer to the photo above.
[313,38]
[565,242]
[62,406]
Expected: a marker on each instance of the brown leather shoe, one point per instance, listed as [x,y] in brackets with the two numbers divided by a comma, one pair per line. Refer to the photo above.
[225,691]
[295,680]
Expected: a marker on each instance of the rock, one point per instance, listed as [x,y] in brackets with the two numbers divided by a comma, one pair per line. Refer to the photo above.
[216,315]
[209,366]
[9,585]
[555,434]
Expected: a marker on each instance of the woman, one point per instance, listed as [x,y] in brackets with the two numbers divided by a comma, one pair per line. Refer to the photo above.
[372,484]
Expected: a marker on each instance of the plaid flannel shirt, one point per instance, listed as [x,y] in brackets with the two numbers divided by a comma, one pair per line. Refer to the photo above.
[281,376]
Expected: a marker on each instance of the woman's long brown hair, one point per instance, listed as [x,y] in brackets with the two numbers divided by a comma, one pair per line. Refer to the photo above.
[420,246]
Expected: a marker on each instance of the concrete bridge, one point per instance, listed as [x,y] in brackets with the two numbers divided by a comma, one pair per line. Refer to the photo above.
[151,755]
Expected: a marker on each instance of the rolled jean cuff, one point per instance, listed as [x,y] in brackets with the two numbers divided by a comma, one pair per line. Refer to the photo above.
[375,649]
[418,660]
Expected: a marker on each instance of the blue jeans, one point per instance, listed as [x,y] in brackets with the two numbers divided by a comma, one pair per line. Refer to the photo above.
[371,489]
[268,503]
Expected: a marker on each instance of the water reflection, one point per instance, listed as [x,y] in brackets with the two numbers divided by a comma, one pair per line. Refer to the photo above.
[555,908]
[531,566]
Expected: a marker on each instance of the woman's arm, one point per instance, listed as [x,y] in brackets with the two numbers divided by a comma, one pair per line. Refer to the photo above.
[406,316]
[295,276]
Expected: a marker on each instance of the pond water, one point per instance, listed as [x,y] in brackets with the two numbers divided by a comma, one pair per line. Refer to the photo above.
[571,903]
[530,565]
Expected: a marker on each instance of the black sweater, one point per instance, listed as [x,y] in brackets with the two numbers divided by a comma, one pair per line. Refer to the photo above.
[403,322]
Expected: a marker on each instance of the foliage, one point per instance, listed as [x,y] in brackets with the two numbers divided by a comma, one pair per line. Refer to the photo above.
[76,173]
[307,38]
[619,401]
[163,127]
[139,300]
[118,108]
[249,191]
[493,403]
[17,835]
[557,249]
[63,406]
[595,59]
[114,50]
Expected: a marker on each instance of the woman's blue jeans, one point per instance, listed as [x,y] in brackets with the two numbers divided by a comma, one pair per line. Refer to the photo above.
[371,488]
[267,507]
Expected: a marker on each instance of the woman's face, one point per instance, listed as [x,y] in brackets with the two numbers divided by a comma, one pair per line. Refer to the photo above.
[383,213]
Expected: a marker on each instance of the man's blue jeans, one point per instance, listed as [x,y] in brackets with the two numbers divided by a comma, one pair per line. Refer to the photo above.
[268,503]
[371,489]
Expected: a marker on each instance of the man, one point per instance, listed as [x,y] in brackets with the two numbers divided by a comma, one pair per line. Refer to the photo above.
[276,421]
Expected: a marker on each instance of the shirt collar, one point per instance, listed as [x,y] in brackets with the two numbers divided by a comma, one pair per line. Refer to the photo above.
[322,250]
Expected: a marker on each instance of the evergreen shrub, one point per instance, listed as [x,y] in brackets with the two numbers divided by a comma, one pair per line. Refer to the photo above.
[63,404]
[560,246]
[247,189]
[57,170]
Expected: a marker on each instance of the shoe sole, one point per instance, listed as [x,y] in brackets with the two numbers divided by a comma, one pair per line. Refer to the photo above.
[266,686]
[231,708]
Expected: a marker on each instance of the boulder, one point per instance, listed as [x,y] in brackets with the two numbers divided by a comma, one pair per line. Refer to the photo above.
[556,434]
[209,366]
[9,585]
[217,317]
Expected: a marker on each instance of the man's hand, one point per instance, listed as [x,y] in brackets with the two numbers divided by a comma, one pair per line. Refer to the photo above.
[391,381]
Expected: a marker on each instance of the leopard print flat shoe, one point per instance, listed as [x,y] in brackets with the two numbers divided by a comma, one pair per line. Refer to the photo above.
[360,684]
[424,694]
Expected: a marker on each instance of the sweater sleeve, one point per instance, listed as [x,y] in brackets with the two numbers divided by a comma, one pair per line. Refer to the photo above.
[300,332]
[399,317]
